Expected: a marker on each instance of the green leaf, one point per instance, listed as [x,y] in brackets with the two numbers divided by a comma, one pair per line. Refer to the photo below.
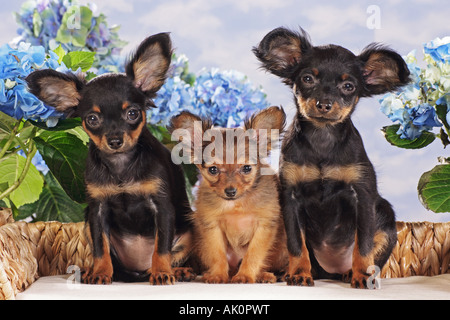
[75,26]
[80,134]
[30,188]
[7,124]
[79,59]
[60,53]
[390,133]
[79,37]
[63,124]
[161,133]
[63,35]
[37,23]
[434,189]
[65,156]
[441,111]
[444,138]
[53,204]
[90,76]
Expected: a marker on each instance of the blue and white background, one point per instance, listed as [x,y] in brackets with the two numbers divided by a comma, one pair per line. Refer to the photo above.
[213,33]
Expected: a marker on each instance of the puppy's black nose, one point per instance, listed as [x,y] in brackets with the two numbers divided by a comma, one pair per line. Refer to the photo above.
[324,106]
[230,192]
[115,142]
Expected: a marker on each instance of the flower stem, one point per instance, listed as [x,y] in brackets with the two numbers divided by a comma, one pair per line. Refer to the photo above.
[12,136]
[16,184]
[29,157]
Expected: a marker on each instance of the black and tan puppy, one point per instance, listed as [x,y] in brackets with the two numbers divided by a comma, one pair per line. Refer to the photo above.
[136,195]
[336,221]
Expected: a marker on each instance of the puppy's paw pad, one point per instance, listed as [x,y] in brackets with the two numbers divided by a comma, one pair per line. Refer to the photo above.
[267,277]
[89,277]
[184,274]
[301,279]
[215,278]
[242,278]
[162,278]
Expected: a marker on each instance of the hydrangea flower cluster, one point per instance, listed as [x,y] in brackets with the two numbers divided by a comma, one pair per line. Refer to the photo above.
[50,23]
[225,97]
[415,105]
[15,66]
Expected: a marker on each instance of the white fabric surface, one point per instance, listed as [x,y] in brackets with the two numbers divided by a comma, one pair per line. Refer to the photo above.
[62,288]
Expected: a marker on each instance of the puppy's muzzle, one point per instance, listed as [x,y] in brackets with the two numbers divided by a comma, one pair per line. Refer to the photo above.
[115,142]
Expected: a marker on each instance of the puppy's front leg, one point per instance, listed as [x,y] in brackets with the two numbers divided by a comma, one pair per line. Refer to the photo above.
[254,260]
[212,250]
[363,252]
[299,271]
[102,271]
[161,272]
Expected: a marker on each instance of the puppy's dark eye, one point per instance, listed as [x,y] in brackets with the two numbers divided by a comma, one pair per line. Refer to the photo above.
[213,170]
[348,87]
[93,120]
[246,169]
[308,79]
[133,114]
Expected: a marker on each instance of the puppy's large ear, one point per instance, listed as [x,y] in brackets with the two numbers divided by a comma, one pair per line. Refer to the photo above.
[270,118]
[186,120]
[264,121]
[148,66]
[384,70]
[59,90]
[188,129]
[281,50]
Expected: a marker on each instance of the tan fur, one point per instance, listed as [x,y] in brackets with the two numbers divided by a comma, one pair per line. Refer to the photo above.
[103,269]
[337,114]
[380,70]
[150,68]
[250,226]
[129,138]
[96,139]
[285,54]
[152,186]
[294,174]
[348,174]
[360,264]
[300,266]
[132,137]
[161,267]
[65,91]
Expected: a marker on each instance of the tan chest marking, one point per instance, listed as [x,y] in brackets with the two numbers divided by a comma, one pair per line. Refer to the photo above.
[294,173]
[146,187]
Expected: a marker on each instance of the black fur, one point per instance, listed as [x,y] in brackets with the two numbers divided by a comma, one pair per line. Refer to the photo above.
[123,152]
[328,211]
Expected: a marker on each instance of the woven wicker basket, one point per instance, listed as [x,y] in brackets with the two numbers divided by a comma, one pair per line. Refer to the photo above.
[31,250]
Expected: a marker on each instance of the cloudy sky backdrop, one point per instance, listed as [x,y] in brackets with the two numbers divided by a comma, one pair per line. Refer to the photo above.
[221,33]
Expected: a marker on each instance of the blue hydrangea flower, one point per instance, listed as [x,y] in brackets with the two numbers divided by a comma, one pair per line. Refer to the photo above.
[423,117]
[225,97]
[173,97]
[414,106]
[40,22]
[439,49]
[15,66]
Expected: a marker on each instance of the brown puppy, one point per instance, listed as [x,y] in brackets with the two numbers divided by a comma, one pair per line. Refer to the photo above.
[238,228]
